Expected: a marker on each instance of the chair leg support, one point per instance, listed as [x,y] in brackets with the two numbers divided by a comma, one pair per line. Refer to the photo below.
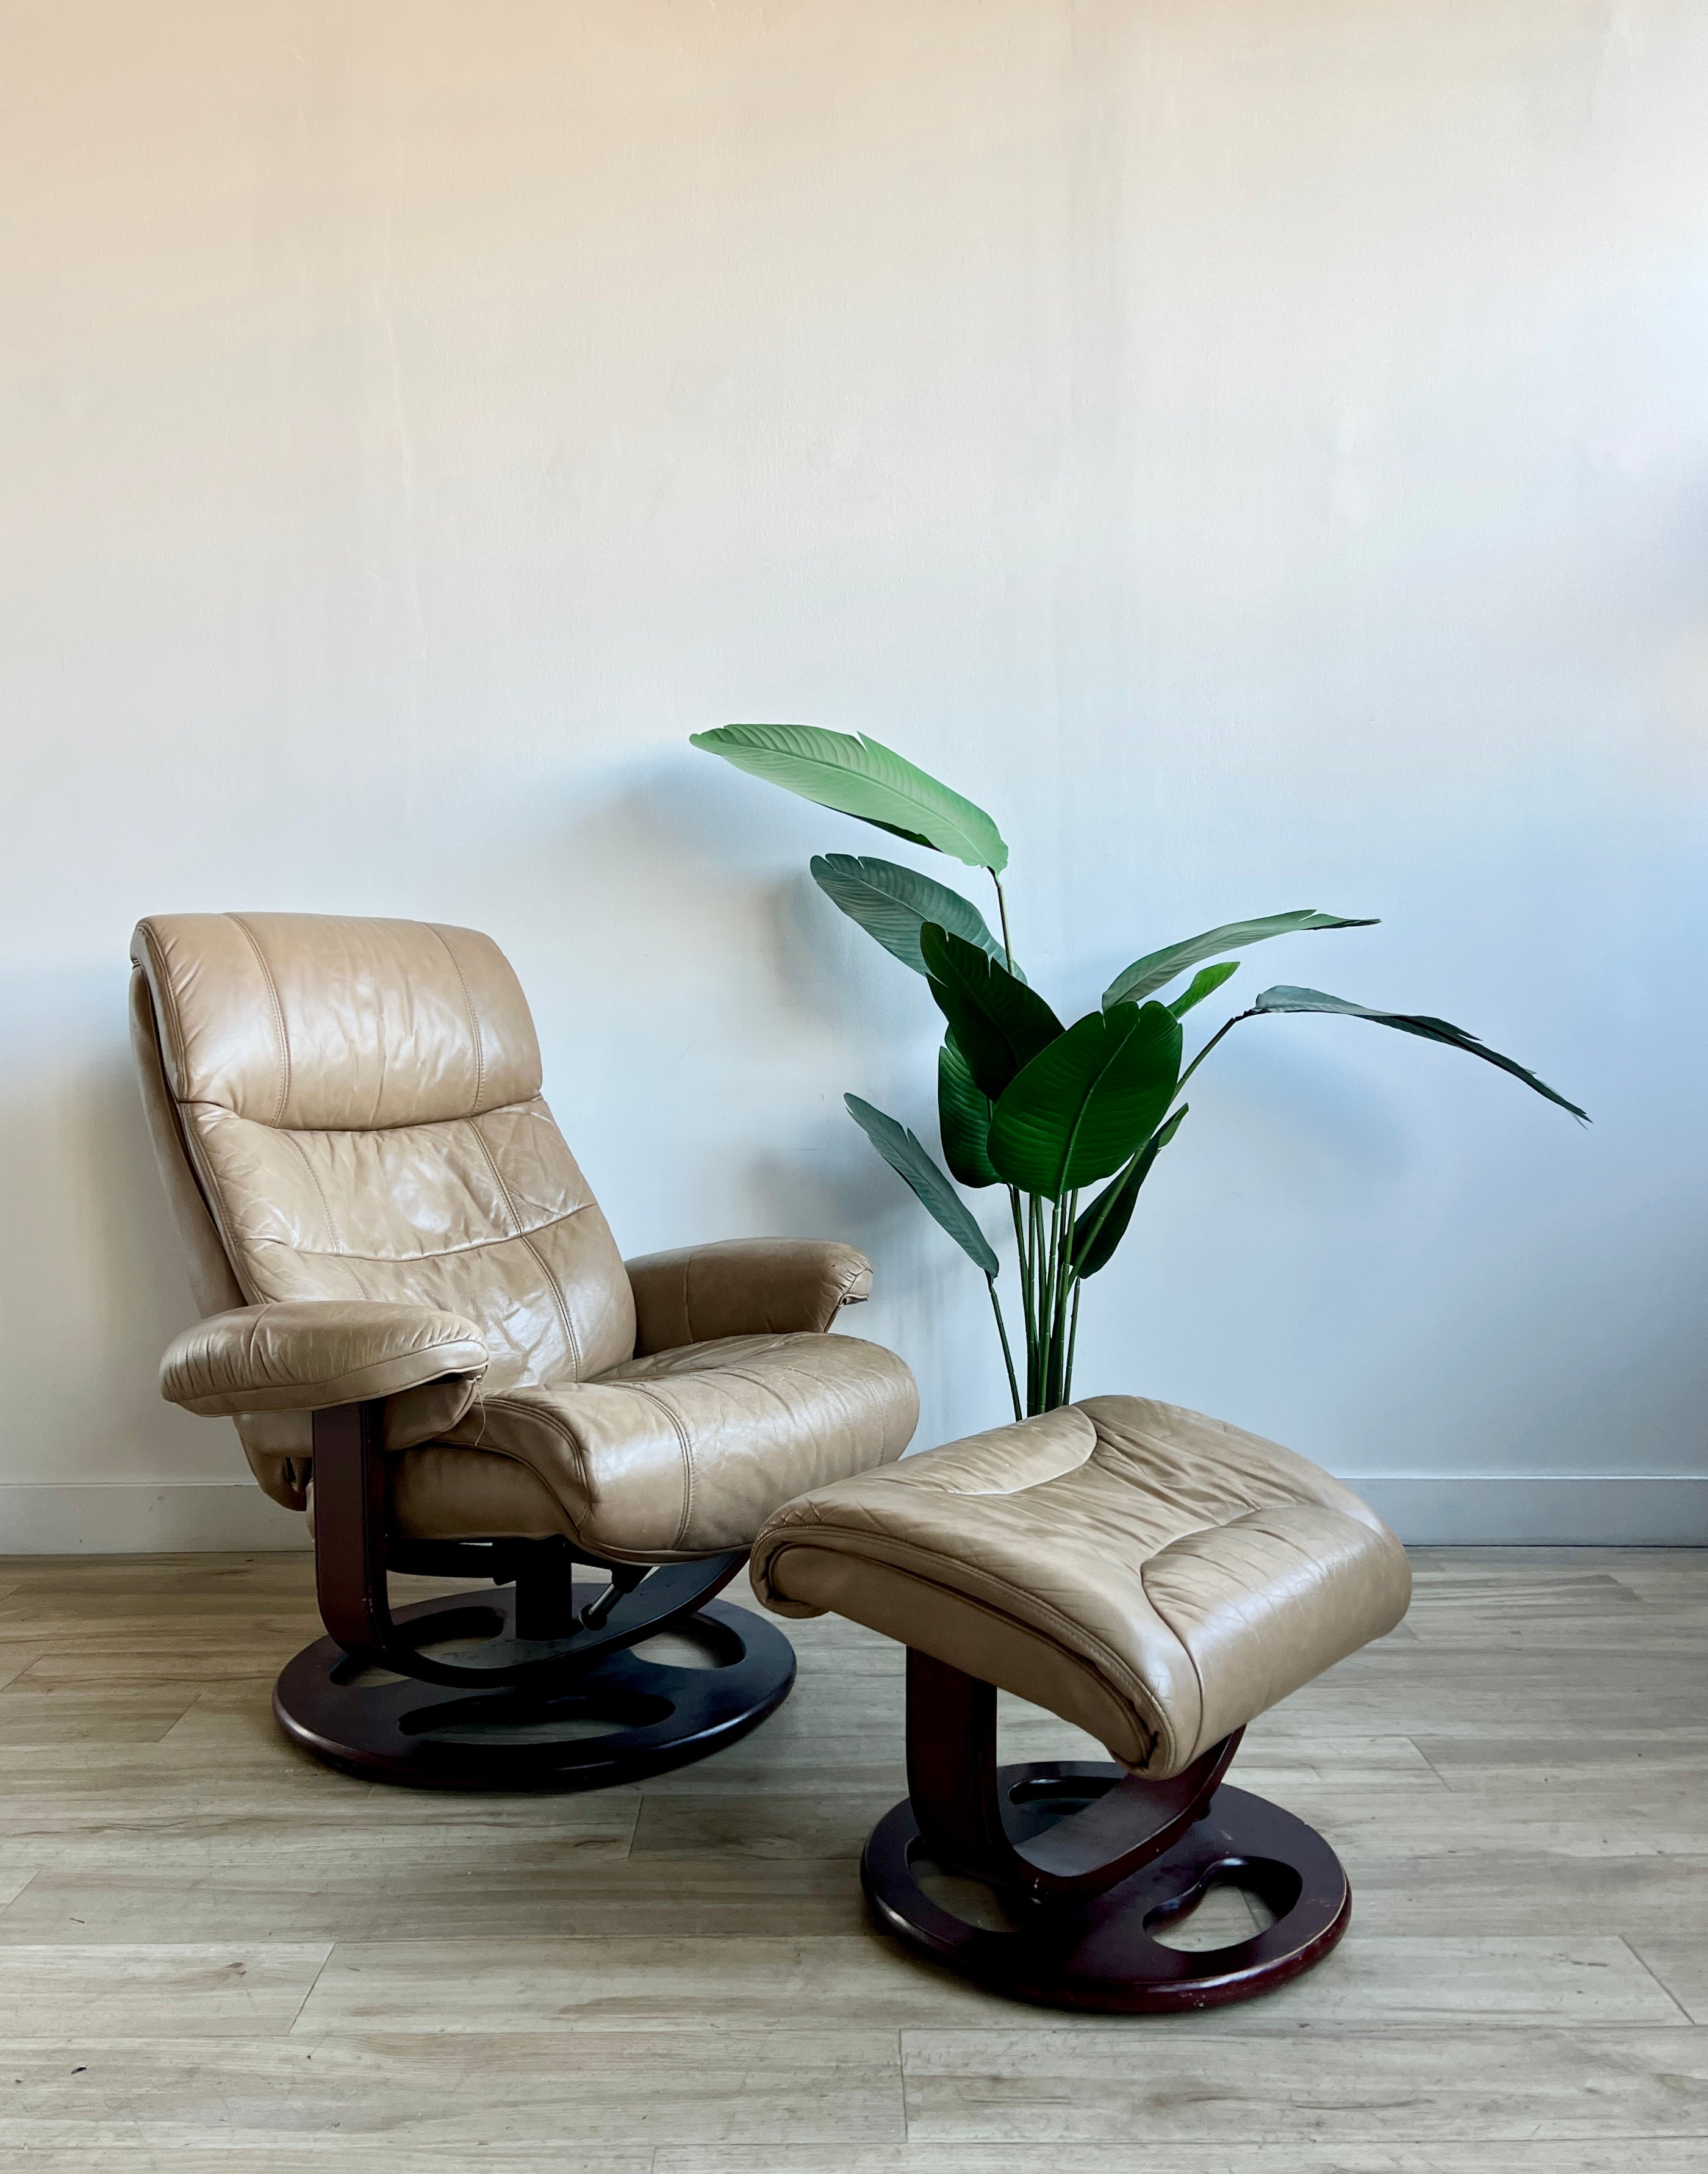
[953,1785]
[382,1696]
[1089,1864]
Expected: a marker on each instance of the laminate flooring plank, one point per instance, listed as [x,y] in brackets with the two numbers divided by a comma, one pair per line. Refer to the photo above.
[509,2092]
[485,1891]
[14,1660]
[32,1715]
[1521,1759]
[733,1984]
[1666,1817]
[761,1827]
[1682,1967]
[867,1763]
[1138,2155]
[179,1990]
[1056,2087]
[336,2157]
[737,1984]
[1641,1898]
[120,1666]
[134,1834]
[1607,1819]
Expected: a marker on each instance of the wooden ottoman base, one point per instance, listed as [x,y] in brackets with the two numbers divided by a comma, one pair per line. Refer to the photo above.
[1086,1862]
[1099,1952]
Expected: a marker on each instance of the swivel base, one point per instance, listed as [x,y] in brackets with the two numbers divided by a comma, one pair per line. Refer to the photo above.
[1097,1952]
[622,1717]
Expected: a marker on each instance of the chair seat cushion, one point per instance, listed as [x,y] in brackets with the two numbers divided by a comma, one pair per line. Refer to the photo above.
[682,1453]
[1154,1575]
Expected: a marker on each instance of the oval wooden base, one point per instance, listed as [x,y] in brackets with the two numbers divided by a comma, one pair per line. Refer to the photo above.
[624,1717]
[1098,1953]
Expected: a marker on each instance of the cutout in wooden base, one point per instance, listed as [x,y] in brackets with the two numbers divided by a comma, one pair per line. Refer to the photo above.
[622,1717]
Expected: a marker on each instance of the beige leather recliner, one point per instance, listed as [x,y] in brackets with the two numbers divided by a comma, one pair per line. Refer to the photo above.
[419,1319]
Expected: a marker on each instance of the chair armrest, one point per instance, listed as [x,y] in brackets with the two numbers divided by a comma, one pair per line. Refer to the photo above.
[743,1287]
[306,1354]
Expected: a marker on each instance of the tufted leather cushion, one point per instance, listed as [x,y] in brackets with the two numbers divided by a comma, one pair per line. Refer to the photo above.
[686,1452]
[1154,1575]
[359,1101]
[319,1022]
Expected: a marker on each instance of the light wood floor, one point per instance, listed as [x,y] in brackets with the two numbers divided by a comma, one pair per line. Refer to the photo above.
[207,1941]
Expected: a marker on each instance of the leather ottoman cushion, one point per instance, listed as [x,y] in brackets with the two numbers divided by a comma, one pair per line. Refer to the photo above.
[1155,1577]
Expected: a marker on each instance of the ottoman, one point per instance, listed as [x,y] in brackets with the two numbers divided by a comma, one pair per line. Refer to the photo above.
[1154,1577]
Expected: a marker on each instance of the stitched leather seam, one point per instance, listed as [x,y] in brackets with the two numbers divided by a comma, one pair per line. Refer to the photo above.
[174,1024]
[444,1253]
[549,1419]
[529,1108]
[681,1443]
[199,1176]
[473,1018]
[473,1124]
[314,1180]
[277,1016]
[351,1374]
[202,1171]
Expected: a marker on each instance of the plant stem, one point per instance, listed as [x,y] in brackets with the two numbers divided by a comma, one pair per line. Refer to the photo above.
[1072,1342]
[1037,1267]
[1228,1028]
[1007,1356]
[1106,1200]
[1002,911]
[1025,1270]
[1064,1283]
[1057,1292]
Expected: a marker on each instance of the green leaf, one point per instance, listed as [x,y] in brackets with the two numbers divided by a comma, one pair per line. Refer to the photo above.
[892,903]
[910,1158]
[862,777]
[1418,1022]
[962,1116]
[1204,983]
[1146,976]
[1083,1106]
[1000,1024]
[1098,1232]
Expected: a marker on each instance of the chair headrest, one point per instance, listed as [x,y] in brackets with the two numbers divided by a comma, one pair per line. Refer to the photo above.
[320,1022]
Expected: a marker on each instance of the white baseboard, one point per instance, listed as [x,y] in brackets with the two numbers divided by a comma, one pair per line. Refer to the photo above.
[143,1517]
[1516,1509]
[169,1517]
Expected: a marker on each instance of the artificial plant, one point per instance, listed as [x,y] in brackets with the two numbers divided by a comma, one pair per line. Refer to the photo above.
[1043,1109]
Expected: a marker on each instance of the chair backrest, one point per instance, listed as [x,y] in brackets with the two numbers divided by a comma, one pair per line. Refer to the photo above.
[348,1108]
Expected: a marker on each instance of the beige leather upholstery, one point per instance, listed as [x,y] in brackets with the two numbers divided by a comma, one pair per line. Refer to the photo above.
[679,1453]
[1155,1577]
[347,1114]
[307,1354]
[742,1285]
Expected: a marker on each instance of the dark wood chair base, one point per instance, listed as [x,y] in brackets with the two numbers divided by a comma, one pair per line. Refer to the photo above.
[622,1717]
[1099,1952]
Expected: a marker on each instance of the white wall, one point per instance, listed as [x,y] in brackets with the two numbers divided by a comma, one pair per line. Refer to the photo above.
[1256,448]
